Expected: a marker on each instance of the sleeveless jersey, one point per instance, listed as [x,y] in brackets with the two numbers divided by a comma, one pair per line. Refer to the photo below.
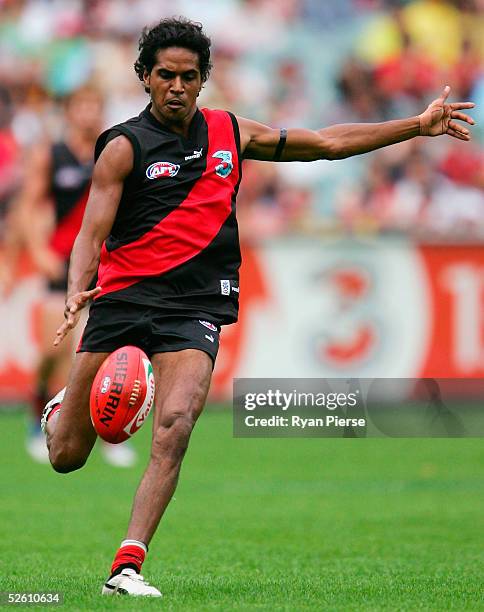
[174,243]
[69,188]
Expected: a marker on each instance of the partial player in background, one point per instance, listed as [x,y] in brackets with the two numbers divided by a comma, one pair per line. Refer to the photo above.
[9,178]
[50,208]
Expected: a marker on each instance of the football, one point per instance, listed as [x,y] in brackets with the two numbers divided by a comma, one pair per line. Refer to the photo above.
[122,394]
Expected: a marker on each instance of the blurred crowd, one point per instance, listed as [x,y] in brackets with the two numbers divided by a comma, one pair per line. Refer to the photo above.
[306,63]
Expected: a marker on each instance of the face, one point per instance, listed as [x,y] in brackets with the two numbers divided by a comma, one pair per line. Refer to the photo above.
[174,84]
[84,111]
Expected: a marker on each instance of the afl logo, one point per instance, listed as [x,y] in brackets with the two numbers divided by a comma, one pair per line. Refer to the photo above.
[162,169]
[105,384]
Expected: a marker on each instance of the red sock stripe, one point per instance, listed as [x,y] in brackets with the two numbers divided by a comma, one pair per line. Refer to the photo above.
[128,554]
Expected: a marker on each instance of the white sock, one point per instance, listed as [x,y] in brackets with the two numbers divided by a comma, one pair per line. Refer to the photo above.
[141,545]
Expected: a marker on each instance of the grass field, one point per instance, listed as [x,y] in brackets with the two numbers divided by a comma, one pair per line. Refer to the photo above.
[259,524]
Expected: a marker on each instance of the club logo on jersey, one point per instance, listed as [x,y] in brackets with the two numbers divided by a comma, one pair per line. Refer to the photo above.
[162,169]
[225,168]
[209,325]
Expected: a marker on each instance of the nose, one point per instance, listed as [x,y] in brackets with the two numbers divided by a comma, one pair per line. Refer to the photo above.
[176,85]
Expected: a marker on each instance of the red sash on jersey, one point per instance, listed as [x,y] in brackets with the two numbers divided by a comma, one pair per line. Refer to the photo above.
[188,229]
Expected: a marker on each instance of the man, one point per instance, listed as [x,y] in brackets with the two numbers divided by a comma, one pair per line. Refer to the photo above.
[60,172]
[160,229]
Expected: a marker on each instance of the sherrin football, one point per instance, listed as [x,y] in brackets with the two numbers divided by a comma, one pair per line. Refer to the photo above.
[122,394]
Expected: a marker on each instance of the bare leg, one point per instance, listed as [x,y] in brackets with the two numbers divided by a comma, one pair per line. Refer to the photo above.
[71,436]
[182,382]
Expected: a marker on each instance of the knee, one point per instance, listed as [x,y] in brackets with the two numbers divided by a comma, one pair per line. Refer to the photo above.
[170,439]
[65,459]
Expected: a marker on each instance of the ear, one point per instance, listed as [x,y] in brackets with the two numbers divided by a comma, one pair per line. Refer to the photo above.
[146,79]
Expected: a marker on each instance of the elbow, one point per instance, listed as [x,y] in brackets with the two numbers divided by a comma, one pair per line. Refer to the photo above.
[337,151]
[332,150]
[97,243]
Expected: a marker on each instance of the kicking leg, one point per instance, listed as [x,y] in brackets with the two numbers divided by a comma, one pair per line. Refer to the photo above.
[70,434]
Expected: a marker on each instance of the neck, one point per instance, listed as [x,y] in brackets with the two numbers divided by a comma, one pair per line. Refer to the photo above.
[179,127]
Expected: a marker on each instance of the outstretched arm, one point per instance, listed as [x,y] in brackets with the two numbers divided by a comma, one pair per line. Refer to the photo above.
[339,141]
[112,167]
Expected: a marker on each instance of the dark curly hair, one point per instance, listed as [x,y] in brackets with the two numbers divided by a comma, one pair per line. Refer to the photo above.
[173,32]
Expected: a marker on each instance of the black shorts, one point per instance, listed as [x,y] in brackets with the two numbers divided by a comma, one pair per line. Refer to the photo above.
[113,324]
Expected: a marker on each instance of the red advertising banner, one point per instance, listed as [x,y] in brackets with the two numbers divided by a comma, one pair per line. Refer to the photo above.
[455,276]
[310,309]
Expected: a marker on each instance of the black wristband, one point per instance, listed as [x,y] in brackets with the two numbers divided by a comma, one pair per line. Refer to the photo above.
[280,145]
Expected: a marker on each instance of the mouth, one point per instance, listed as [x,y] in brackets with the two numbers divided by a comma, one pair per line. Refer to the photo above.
[175,104]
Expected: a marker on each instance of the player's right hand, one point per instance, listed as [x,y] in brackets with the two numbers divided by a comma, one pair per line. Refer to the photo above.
[72,312]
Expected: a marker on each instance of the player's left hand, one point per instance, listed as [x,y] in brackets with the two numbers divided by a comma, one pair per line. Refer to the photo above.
[72,312]
[439,118]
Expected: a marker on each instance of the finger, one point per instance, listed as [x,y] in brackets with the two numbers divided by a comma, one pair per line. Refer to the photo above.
[61,333]
[69,322]
[462,117]
[460,105]
[59,337]
[445,93]
[90,294]
[77,303]
[85,296]
[458,128]
[457,135]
